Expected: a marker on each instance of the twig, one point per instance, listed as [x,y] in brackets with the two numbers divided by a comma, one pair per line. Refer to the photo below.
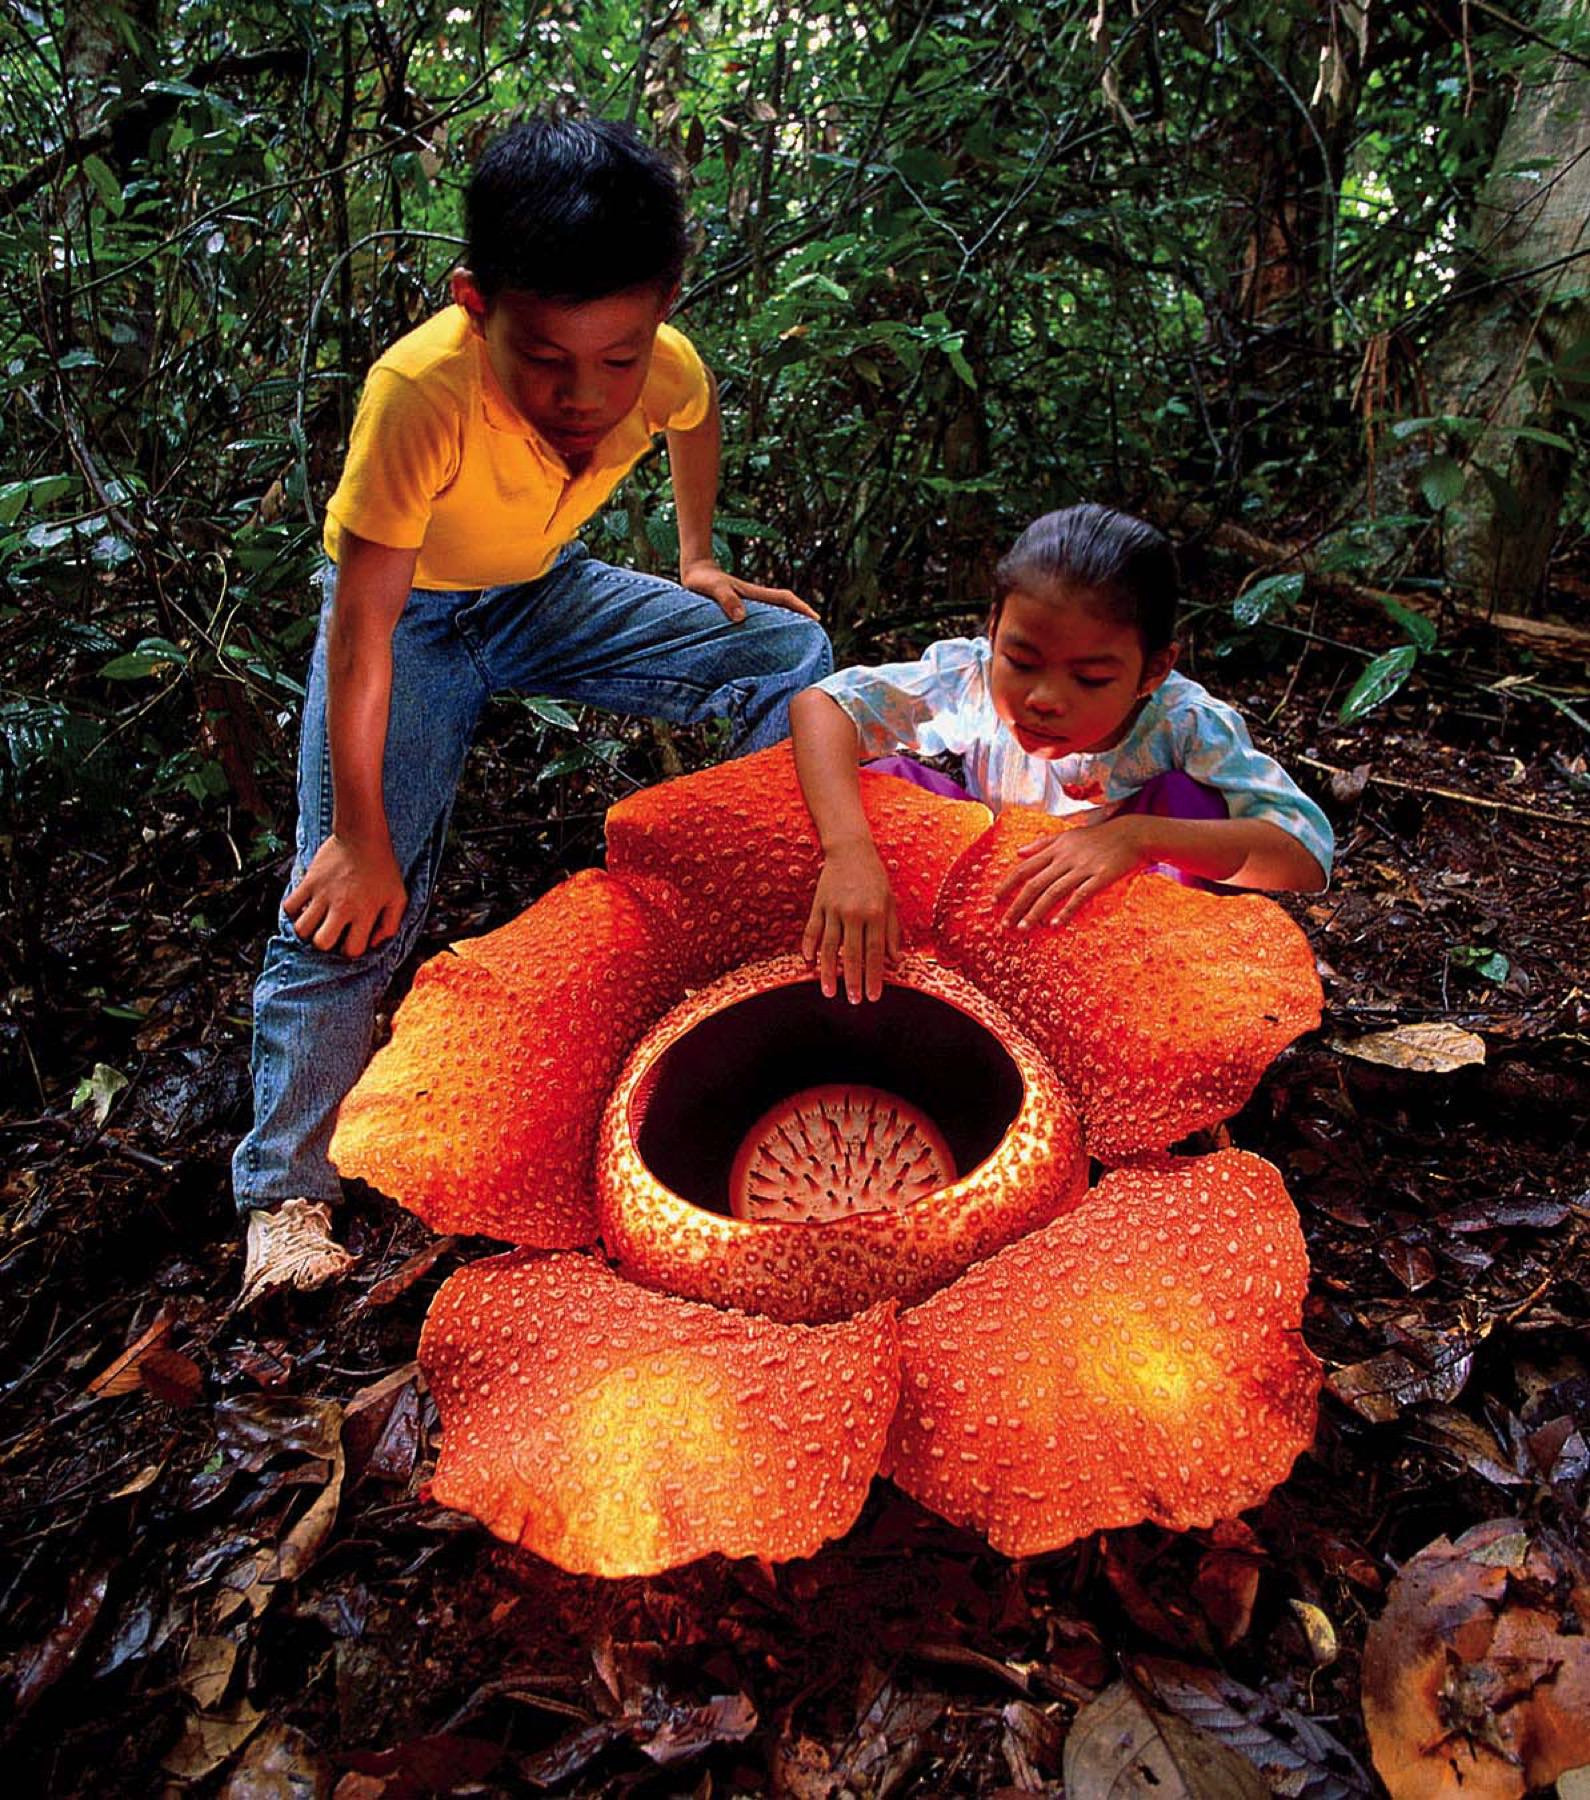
[1441,793]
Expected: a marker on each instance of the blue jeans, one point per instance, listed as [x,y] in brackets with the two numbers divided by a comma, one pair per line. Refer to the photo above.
[585,632]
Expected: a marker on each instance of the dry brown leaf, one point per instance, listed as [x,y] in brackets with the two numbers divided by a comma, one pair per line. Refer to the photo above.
[207,1671]
[280,1763]
[1118,1747]
[122,1376]
[209,1739]
[170,1376]
[1430,1049]
[145,1478]
[1473,1682]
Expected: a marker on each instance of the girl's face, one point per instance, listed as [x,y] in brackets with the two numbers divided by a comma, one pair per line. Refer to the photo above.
[1066,676]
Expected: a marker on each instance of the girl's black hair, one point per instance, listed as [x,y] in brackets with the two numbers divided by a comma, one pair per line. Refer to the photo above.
[1129,565]
[573,209]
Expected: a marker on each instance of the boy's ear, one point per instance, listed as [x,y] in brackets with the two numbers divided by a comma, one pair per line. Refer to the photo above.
[667,303]
[1156,668]
[469,296]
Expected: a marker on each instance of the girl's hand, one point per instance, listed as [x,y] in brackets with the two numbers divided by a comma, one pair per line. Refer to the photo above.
[1072,867]
[853,923]
[731,593]
[351,896]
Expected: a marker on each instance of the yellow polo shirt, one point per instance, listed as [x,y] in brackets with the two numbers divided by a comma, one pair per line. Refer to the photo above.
[440,460]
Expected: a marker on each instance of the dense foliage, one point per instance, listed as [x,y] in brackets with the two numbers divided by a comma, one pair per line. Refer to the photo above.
[957,262]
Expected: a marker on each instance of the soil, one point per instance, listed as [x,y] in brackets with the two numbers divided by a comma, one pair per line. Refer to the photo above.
[180,1602]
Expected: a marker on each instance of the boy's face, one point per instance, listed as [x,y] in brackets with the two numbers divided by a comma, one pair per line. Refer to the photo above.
[1065,677]
[573,369]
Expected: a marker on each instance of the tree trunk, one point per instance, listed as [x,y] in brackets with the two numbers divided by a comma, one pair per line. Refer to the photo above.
[1512,350]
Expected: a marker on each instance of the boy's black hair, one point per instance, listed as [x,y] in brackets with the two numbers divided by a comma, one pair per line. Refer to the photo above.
[573,209]
[1123,561]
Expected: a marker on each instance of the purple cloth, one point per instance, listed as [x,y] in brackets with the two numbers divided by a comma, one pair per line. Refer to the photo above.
[1171,795]
[918,774]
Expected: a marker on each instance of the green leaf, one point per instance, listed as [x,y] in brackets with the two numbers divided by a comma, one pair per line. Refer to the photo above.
[550,713]
[1379,682]
[45,488]
[580,757]
[99,1091]
[1273,594]
[106,185]
[1489,964]
[1537,436]
[1441,482]
[1422,631]
[153,656]
[181,89]
[1405,428]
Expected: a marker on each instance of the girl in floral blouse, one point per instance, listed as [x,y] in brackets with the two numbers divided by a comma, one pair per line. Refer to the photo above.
[1070,703]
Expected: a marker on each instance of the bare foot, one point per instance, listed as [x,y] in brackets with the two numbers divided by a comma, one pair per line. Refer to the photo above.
[292,1247]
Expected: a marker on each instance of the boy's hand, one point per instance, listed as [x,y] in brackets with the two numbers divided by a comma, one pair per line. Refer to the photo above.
[731,593]
[1072,867]
[350,892]
[853,924]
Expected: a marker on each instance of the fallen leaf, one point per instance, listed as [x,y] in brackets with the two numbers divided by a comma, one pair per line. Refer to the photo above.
[256,1427]
[407,1273]
[121,1376]
[1501,1215]
[145,1478]
[208,1739]
[1032,1742]
[1348,785]
[1470,1442]
[1410,1262]
[303,1543]
[1293,1755]
[280,1763]
[686,1731]
[1382,1387]
[171,1376]
[206,1671]
[1227,1582]
[1475,1677]
[1118,1746]
[1429,1049]
[40,1668]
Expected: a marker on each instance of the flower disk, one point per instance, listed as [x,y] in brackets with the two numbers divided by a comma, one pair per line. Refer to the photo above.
[731,856]
[1138,1359]
[480,1115]
[1159,1005]
[618,1432]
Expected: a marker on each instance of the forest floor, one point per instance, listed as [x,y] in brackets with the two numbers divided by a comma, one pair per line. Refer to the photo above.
[217,1567]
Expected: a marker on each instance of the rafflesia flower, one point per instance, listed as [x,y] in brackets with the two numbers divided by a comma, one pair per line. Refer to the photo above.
[837,1241]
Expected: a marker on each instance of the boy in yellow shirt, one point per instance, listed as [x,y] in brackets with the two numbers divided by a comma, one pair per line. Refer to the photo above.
[483,441]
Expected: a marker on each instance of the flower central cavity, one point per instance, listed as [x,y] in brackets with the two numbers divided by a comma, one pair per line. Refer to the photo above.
[773,1103]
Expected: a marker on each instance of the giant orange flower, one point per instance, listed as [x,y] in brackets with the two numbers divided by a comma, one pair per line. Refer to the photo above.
[845,1240]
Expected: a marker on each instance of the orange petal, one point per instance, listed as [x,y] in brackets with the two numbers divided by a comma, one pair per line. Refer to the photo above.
[1160,1005]
[703,1078]
[481,1113]
[618,1432]
[1138,1359]
[730,854]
